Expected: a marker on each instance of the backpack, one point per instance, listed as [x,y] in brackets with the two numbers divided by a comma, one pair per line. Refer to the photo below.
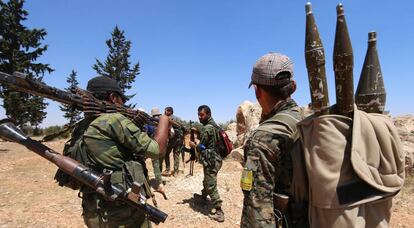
[224,146]
[74,149]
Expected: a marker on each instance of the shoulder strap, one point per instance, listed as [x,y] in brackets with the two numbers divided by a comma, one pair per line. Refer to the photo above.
[286,123]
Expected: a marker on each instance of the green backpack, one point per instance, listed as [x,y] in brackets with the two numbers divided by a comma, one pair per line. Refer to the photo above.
[74,149]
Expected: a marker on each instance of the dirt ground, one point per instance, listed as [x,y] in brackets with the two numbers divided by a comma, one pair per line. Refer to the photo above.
[29,197]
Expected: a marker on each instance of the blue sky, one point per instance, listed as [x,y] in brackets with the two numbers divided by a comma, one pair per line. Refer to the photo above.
[202,52]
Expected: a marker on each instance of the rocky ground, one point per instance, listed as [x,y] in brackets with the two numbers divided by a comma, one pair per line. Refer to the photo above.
[30,198]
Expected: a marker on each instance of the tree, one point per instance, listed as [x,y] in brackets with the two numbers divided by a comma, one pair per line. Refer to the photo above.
[20,47]
[117,64]
[72,114]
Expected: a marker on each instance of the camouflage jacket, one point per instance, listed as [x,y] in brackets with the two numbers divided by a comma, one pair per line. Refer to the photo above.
[209,137]
[266,154]
[112,139]
[178,131]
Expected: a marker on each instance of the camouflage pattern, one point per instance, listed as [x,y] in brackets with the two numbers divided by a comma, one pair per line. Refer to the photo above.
[110,141]
[211,160]
[175,145]
[266,154]
[157,171]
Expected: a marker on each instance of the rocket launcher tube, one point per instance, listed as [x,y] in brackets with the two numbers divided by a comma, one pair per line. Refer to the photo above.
[343,60]
[315,64]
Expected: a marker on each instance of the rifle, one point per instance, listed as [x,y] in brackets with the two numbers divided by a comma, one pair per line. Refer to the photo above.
[183,155]
[100,182]
[192,151]
[78,98]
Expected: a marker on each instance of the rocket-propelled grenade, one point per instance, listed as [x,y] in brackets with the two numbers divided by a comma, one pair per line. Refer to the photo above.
[315,64]
[343,60]
[370,95]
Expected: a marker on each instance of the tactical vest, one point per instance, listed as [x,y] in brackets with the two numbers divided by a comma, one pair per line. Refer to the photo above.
[74,148]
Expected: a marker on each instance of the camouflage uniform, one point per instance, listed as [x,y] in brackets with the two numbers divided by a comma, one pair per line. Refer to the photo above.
[267,155]
[175,145]
[211,160]
[110,141]
[156,165]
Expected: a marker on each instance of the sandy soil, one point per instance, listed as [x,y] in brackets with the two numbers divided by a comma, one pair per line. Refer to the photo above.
[29,197]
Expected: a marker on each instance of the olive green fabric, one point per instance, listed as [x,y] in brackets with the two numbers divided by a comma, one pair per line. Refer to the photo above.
[157,171]
[174,145]
[99,213]
[112,139]
[355,167]
[115,143]
[211,160]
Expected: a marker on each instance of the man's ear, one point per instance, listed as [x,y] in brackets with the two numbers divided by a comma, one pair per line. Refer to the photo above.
[112,97]
[293,86]
[257,91]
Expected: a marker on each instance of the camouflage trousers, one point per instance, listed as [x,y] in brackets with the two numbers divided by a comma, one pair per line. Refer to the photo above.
[98,213]
[210,171]
[157,170]
[175,146]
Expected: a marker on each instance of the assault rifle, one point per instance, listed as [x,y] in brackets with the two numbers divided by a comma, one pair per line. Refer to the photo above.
[100,182]
[78,98]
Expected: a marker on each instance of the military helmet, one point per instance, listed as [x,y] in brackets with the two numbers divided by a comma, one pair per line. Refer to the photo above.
[104,84]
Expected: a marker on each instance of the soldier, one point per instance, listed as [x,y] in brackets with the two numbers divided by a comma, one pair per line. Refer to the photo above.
[267,170]
[114,143]
[175,143]
[211,161]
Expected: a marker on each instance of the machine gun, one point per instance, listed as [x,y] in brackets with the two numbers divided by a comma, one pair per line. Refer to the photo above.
[78,98]
[100,182]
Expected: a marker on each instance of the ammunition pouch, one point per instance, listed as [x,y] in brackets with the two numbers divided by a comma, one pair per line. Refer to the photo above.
[134,171]
[280,202]
[289,213]
[280,206]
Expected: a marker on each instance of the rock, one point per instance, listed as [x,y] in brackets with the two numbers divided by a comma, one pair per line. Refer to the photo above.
[232,127]
[247,117]
[408,148]
[232,135]
[405,126]
[237,154]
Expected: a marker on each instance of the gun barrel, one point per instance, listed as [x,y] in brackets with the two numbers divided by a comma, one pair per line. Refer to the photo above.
[343,60]
[315,64]
[370,95]
[83,174]
[21,83]
[80,99]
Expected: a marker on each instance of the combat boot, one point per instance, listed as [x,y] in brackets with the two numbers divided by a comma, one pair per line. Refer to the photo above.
[218,216]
